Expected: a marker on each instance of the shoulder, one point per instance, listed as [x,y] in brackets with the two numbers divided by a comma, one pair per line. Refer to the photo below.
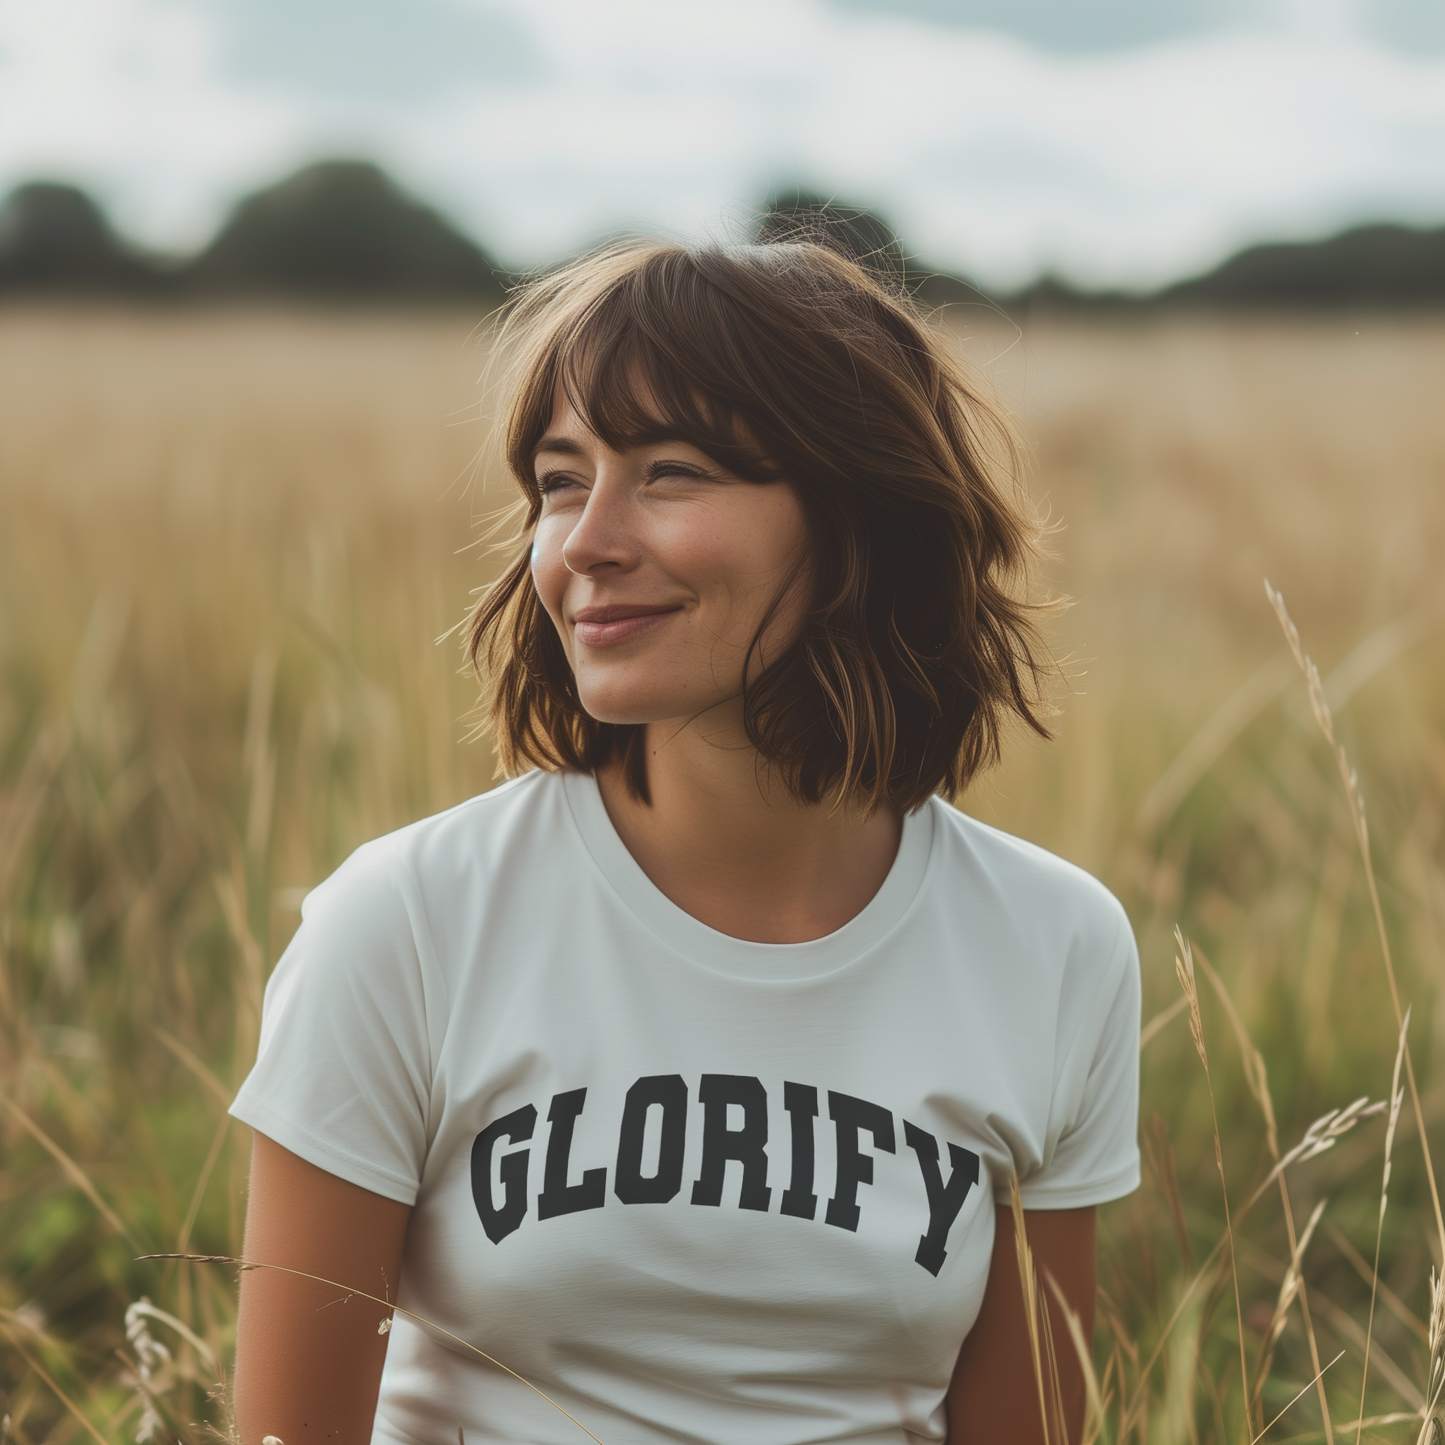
[1022,870]
[375,923]
[498,812]
[1029,895]
[464,842]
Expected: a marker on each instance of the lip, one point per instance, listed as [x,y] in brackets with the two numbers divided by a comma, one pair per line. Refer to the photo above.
[618,622]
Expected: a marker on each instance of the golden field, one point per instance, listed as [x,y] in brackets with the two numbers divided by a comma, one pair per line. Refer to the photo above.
[228,544]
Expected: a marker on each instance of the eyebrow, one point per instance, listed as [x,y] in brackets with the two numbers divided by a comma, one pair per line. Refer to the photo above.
[657,436]
[562,444]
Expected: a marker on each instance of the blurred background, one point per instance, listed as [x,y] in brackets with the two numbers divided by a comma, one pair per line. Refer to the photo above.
[247,256]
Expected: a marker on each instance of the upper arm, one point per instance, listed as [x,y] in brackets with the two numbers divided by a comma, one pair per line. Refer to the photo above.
[338,1097]
[308,1354]
[994,1394]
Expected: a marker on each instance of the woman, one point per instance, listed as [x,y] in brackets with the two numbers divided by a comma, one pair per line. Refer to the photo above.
[686,1073]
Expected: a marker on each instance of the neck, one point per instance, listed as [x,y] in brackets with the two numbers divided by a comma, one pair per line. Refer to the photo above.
[725,841]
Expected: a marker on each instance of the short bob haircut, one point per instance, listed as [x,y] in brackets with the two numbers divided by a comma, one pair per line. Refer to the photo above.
[788,364]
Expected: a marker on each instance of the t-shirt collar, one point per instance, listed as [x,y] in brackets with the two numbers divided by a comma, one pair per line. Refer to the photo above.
[736,957]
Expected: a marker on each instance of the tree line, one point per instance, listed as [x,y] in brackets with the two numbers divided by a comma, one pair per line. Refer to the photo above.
[344,231]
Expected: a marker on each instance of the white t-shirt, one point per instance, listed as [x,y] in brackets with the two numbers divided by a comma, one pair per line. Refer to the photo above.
[694,1188]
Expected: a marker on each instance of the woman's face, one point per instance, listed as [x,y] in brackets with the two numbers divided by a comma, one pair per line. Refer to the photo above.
[657,568]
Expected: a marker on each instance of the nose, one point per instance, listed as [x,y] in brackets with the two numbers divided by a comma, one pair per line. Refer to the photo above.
[603,538]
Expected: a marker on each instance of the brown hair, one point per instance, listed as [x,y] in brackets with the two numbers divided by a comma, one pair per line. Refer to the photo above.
[789,361]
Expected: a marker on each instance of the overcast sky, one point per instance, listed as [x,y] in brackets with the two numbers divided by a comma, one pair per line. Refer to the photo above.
[1112,141]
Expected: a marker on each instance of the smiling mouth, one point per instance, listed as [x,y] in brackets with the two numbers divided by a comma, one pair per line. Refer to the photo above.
[604,626]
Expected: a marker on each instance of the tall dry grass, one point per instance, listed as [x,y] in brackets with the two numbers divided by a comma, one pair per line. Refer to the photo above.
[227,544]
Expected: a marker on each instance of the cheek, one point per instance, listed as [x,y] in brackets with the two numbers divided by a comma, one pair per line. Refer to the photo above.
[549,572]
[757,545]
[777,546]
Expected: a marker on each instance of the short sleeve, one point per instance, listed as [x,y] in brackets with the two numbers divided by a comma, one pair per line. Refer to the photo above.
[343,1072]
[1095,1132]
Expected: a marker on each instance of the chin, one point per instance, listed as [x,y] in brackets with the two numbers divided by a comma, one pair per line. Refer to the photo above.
[625,690]
[625,706]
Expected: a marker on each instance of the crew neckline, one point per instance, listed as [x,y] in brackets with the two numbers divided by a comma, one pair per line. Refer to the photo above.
[738,957]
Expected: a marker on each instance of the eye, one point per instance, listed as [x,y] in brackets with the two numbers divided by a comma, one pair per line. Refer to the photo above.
[659,470]
[551,483]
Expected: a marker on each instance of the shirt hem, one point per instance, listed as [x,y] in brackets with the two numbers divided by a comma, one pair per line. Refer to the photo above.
[305,1145]
[1077,1196]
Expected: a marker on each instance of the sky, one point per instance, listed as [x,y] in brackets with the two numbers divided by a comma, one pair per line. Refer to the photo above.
[1111,142]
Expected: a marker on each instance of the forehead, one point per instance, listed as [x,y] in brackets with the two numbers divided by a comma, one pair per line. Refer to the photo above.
[574,424]
[569,432]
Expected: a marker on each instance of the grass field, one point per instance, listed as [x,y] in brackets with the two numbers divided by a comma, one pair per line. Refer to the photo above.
[227,546]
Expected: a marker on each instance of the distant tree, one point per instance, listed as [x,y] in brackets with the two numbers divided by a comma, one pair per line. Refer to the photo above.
[342,230]
[54,238]
[1368,266]
[863,236]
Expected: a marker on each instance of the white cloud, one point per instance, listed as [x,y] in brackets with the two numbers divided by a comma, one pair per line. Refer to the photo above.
[1123,167]
[120,96]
